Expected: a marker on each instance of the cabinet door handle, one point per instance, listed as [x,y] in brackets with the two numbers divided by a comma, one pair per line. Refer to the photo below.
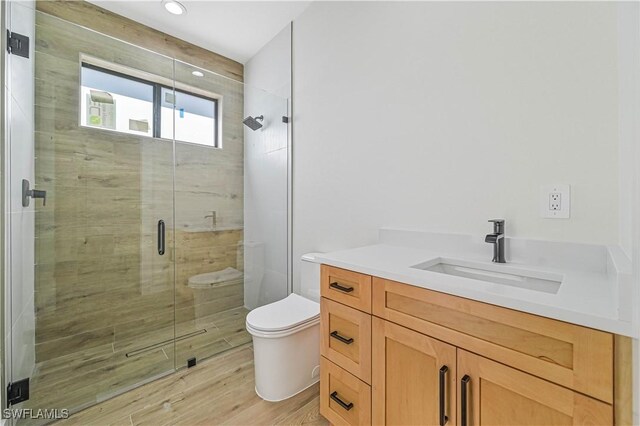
[347,340]
[341,288]
[346,406]
[443,377]
[463,399]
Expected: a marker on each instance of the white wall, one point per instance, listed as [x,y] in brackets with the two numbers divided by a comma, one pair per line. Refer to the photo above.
[268,86]
[441,115]
[629,131]
[20,221]
[270,68]
[629,108]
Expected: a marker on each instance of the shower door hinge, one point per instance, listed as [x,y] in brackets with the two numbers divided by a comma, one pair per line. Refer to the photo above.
[17,44]
[18,391]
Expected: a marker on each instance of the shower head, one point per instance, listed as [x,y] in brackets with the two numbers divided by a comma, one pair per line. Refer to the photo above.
[253,122]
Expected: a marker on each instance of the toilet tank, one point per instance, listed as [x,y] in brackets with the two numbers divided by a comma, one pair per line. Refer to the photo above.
[310,277]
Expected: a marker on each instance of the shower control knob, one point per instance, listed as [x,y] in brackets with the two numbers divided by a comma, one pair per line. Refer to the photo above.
[28,193]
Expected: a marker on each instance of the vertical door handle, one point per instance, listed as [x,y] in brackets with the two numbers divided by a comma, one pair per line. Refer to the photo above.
[443,378]
[161,237]
[463,399]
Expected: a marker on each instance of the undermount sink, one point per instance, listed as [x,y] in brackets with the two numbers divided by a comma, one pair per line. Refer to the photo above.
[497,274]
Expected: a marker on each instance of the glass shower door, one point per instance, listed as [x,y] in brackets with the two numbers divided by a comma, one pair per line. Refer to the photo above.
[231,209]
[97,315]
[210,312]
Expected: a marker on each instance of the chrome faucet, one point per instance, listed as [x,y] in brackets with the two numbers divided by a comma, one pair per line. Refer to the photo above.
[497,239]
[213,218]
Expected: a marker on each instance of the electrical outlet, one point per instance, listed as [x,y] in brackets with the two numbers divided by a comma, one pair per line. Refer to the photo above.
[555,201]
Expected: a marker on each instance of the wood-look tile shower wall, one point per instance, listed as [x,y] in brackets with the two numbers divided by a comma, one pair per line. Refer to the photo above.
[99,279]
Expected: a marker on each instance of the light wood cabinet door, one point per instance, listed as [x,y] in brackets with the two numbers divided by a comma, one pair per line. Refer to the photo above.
[413,377]
[499,395]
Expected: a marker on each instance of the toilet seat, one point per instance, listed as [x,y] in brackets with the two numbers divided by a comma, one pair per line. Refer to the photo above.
[286,316]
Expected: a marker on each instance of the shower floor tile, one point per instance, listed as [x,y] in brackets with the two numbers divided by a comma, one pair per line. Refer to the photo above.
[220,390]
[83,378]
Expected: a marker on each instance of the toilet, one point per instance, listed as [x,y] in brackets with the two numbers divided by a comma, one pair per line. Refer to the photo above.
[286,341]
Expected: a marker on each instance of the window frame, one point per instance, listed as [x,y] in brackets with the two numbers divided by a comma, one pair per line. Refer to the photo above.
[157,104]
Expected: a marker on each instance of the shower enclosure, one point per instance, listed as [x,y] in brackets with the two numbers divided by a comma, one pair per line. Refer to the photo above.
[133,265]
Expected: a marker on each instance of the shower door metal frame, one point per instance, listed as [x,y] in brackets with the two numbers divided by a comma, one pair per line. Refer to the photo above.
[5,374]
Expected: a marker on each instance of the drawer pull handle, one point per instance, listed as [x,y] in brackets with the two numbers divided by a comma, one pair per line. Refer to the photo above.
[463,399]
[443,377]
[341,288]
[343,404]
[347,340]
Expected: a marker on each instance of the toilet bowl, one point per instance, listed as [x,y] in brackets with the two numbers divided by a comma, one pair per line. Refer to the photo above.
[286,344]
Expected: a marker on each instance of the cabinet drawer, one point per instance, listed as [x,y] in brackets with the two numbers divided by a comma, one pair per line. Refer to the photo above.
[576,357]
[347,287]
[346,338]
[344,399]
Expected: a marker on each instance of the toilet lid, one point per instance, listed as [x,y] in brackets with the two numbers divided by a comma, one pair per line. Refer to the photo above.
[284,314]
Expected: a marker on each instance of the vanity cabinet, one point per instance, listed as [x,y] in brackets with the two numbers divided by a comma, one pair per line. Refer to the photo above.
[429,358]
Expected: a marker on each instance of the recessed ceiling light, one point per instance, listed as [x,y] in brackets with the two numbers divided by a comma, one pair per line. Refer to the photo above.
[197,73]
[174,7]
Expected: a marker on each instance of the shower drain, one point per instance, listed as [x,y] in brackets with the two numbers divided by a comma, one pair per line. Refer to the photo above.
[165,342]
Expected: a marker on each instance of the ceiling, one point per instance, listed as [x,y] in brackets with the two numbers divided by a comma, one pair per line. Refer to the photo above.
[235,29]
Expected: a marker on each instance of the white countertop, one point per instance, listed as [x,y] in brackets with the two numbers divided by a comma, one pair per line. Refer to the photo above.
[590,296]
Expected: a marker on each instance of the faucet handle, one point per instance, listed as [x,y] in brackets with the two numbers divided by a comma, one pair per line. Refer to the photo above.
[498,225]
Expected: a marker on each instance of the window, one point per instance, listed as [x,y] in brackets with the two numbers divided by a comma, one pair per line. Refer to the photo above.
[116,101]
[195,117]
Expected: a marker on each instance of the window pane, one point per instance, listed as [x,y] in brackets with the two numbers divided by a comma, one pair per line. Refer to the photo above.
[111,101]
[195,117]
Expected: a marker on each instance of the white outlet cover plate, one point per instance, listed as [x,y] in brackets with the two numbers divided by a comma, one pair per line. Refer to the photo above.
[565,201]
